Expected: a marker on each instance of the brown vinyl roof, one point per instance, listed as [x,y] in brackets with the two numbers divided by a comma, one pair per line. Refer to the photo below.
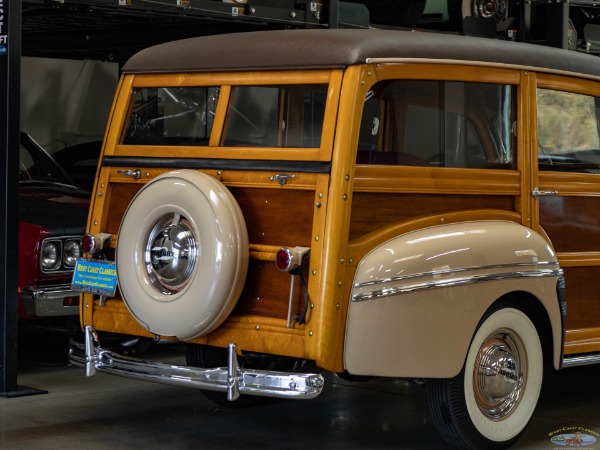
[293,49]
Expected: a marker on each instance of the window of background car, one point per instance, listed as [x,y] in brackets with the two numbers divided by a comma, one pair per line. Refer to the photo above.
[568,131]
[37,165]
[171,116]
[439,124]
[276,116]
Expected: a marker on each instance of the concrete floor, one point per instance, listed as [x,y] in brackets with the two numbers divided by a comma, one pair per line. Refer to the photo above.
[108,412]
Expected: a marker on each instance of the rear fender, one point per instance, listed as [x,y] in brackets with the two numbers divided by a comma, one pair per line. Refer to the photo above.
[417,298]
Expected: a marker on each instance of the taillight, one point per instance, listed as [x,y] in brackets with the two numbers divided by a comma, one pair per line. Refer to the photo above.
[287,259]
[91,243]
[283,259]
[88,244]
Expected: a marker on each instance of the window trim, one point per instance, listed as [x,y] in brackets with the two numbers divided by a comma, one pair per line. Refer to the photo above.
[226,80]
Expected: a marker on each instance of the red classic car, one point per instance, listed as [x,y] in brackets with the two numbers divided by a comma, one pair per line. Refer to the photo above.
[52,217]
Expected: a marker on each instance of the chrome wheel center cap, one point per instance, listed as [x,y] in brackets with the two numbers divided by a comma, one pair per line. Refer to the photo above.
[499,375]
[171,253]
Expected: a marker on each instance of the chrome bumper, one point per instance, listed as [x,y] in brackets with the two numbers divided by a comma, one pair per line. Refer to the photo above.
[233,379]
[45,301]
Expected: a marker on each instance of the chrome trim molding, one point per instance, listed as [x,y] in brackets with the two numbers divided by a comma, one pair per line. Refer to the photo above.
[57,291]
[232,379]
[461,62]
[457,270]
[576,361]
[449,282]
[44,301]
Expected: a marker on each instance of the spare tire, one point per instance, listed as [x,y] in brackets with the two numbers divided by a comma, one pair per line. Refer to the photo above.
[182,254]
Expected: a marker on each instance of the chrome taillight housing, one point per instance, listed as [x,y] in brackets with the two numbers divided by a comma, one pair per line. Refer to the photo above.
[91,243]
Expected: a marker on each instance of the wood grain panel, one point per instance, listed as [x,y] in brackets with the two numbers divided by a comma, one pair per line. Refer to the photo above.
[280,217]
[572,223]
[371,211]
[266,292]
[583,297]
[120,197]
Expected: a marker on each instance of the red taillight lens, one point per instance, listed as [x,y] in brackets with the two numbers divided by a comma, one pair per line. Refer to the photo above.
[88,243]
[289,259]
[283,259]
[91,243]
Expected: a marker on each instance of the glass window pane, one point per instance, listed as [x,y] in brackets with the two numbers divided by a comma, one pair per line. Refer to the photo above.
[171,116]
[276,116]
[568,137]
[438,124]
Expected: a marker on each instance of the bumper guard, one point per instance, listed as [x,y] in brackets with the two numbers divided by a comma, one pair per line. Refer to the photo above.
[233,379]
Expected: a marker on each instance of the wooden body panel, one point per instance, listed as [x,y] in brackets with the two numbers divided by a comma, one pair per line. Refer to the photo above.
[571,219]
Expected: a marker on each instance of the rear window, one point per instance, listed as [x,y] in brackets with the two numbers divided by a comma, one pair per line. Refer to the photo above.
[276,116]
[171,116]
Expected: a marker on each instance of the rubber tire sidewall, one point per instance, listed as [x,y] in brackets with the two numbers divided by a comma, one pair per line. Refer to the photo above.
[514,424]
[213,289]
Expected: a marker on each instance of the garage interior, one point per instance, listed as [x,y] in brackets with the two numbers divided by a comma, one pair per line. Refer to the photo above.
[70,53]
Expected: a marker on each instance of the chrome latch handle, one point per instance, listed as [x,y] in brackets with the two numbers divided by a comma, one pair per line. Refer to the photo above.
[537,193]
[282,178]
[136,174]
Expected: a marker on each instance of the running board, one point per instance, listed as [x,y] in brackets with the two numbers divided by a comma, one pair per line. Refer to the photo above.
[575,361]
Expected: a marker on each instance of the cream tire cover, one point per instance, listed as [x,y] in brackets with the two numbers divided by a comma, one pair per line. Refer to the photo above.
[182,254]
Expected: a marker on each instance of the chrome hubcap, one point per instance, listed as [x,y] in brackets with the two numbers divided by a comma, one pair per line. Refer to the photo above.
[499,374]
[171,253]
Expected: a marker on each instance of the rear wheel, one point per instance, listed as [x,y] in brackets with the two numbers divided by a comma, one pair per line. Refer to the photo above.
[490,403]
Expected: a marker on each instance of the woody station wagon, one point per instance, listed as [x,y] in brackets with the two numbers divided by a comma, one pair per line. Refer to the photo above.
[376,203]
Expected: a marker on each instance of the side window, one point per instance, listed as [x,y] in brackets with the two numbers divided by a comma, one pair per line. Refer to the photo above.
[276,116]
[438,124]
[171,116]
[568,131]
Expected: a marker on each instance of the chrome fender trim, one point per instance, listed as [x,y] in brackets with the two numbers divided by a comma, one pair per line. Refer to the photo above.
[451,255]
[233,379]
[453,277]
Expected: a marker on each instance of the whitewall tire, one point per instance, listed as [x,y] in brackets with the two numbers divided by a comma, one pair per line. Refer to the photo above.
[490,403]
[182,254]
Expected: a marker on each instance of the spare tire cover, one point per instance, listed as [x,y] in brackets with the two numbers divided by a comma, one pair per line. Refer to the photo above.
[182,254]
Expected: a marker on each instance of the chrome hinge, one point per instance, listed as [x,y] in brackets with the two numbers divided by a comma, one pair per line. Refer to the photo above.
[136,174]
[282,178]
[537,193]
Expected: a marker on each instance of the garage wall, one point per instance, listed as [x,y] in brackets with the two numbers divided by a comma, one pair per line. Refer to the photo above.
[66,102]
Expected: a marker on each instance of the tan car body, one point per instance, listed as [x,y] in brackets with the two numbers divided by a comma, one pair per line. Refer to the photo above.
[445,278]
